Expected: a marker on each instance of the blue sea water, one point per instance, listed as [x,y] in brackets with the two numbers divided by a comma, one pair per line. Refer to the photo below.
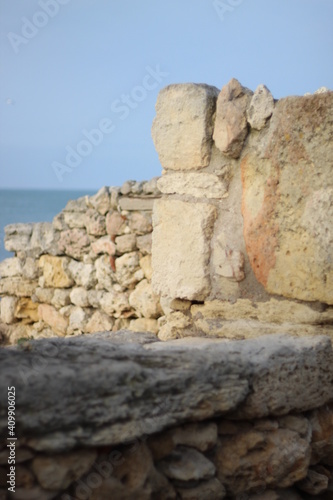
[18,205]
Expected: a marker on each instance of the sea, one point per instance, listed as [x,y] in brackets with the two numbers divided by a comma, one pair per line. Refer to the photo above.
[23,205]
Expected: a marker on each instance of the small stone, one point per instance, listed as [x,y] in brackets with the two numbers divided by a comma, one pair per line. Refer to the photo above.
[206,490]
[26,309]
[144,325]
[314,483]
[30,268]
[60,298]
[140,223]
[17,237]
[77,319]
[8,307]
[17,286]
[150,187]
[126,266]
[145,264]
[53,318]
[104,245]
[132,204]
[186,464]
[144,301]
[126,188]
[230,129]
[10,267]
[74,242]
[95,223]
[75,219]
[115,223]
[144,243]
[83,274]
[261,107]
[55,271]
[99,322]
[104,273]
[58,472]
[79,297]
[43,295]
[125,243]
[100,201]
[114,303]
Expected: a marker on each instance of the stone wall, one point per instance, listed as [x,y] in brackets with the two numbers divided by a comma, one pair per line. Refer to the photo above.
[243,234]
[191,419]
[87,271]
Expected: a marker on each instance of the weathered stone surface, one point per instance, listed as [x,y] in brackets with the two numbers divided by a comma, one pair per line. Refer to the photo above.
[100,201]
[61,298]
[144,243]
[99,322]
[144,325]
[199,185]
[181,251]
[7,307]
[287,209]
[95,223]
[115,223]
[83,274]
[182,129]
[74,242]
[58,472]
[128,271]
[44,239]
[77,319]
[140,223]
[30,269]
[144,301]
[114,303]
[79,205]
[35,493]
[17,237]
[126,203]
[321,421]
[145,264]
[104,245]
[253,459]
[125,243]
[79,297]
[74,219]
[43,295]
[314,483]
[207,490]
[17,286]
[261,107]
[55,271]
[230,129]
[26,309]
[176,321]
[53,318]
[186,464]
[208,380]
[10,267]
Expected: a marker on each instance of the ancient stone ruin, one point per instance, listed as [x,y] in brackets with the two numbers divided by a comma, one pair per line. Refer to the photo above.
[212,288]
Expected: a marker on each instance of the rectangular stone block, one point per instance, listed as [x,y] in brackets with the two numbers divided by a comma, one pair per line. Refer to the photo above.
[136,203]
[199,185]
[183,127]
[181,248]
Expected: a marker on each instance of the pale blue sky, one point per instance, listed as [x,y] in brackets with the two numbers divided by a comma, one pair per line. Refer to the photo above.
[67,64]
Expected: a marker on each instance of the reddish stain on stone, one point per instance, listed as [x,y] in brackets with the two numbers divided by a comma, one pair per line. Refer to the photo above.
[261,230]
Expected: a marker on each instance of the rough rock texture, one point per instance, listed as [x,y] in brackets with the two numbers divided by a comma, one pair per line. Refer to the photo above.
[203,419]
[175,275]
[183,127]
[287,201]
[261,107]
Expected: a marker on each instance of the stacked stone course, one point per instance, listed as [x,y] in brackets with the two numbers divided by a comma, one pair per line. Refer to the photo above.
[87,271]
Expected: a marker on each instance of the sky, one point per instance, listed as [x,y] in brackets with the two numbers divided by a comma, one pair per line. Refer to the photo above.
[79,78]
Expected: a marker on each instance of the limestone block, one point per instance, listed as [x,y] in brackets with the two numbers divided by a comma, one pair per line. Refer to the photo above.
[83,274]
[182,129]
[206,490]
[95,223]
[128,271]
[17,237]
[140,223]
[26,309]
[125,243]
[58,222]
[8,306]
[55,271]
[177,325]
[61,298]
[144,243]
[10,267]
[199,185]
[227,261]
[231,128]
[30,268]
[79,297]
[115,223]
[144,301]
[74,242]
[79,205]
[145,264]
[287,202]
[44,239]
[181,248]
[17,286]
[114,303]
[150,187]
[261,107]
[143,325]
[53,318]
[99,322]
[43,295]
[94,297]
[186,464]
[131,204]
[77,319]
[100,201]
[254,459]
[75,219]
[104,245]
[58,472]
[314,483]
[104,273]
